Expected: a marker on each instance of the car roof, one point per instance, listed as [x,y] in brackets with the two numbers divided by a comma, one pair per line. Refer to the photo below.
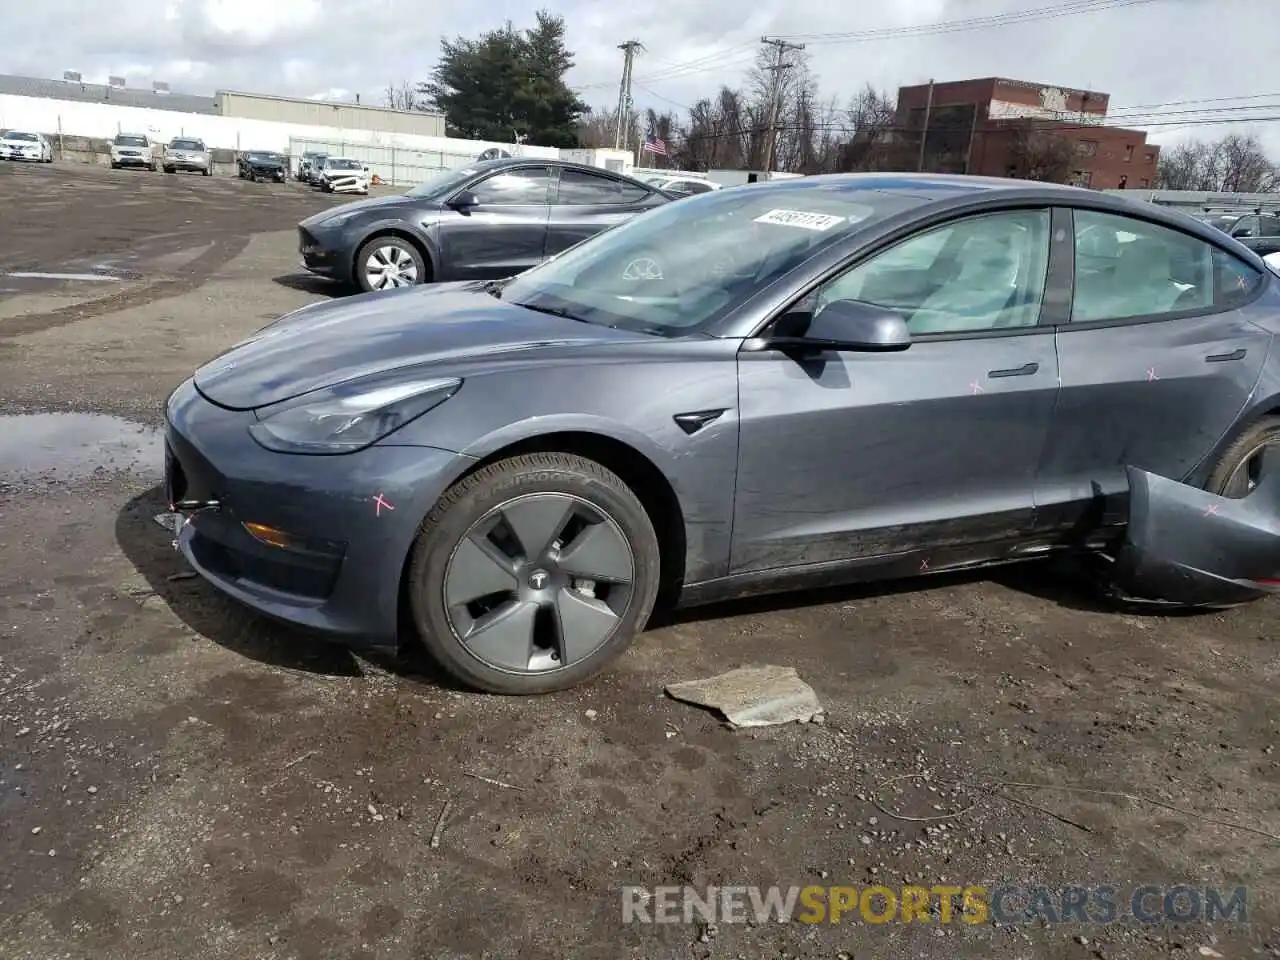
[500,163]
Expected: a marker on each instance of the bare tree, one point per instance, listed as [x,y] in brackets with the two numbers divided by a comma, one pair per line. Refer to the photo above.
[1039,155]
[401,96]
[1234,164]
[871,142]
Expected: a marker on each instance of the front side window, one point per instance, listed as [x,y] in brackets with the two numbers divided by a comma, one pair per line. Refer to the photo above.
[524,185]
[1269,226]
[1128,268]
[580,188]
[977,274]
[683,266]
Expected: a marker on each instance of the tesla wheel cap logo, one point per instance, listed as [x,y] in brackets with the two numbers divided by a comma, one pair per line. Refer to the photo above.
[538,579]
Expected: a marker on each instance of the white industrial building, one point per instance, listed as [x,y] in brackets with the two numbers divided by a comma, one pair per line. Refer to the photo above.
[400,146]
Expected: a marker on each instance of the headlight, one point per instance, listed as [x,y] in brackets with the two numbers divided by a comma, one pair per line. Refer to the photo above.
[349,417]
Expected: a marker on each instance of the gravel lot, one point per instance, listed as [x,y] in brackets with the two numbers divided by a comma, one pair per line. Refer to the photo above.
[179,778]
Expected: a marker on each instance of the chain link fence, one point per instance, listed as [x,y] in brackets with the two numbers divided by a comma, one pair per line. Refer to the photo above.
[399,166]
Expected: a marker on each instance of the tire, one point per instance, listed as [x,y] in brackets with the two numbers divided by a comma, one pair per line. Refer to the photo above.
[402,248]
[168,169]
[115,166]
[1243,451]
[514,485]
[206,172]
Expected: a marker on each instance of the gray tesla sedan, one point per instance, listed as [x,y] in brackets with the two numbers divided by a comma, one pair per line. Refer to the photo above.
[806,382]
[491,220]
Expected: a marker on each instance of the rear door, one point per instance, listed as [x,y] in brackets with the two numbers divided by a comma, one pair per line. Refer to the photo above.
[505,232]
[587,202]
[1156,363]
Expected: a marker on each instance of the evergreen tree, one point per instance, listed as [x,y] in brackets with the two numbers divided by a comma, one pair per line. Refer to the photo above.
[508,83]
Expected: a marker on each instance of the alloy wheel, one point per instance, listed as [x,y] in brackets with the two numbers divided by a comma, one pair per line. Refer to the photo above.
[539,583]
[390,266]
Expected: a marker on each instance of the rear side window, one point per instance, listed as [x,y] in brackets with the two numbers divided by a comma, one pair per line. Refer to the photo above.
[1128,268]
[1234,280]
[577,187]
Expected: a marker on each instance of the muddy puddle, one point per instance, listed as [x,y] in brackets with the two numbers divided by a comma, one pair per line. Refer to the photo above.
[65,446]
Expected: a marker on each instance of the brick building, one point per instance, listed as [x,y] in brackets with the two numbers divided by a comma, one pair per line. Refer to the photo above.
[1009,128]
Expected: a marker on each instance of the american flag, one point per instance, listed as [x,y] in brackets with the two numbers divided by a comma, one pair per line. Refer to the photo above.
[654,145]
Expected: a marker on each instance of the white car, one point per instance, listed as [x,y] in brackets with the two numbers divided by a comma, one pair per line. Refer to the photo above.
[1273,260]
[133,150]
[681,186]
[342,175]
[24,145]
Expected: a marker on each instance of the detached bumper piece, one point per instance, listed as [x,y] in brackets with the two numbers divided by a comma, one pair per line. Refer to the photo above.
[1187,547]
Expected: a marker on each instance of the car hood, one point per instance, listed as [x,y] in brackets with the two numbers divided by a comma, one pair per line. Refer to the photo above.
[390,207]
[447,329]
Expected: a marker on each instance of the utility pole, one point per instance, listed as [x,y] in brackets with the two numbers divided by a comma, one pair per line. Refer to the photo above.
[624,91]
[780,49]
[924,132]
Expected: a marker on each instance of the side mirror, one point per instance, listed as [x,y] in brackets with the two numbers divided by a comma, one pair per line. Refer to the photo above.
[850,325]
[464,199]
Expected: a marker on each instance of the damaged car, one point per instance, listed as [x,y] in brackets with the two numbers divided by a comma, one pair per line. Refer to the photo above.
[815,381]
[341,175]
[259,165]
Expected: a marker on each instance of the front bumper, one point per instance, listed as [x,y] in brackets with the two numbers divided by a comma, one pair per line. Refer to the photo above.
[128,161]
[337,565]
[323,257]
[268,173]
[28,155]
[190,165]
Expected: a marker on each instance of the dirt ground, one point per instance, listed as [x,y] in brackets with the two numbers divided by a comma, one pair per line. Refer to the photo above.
[179,778]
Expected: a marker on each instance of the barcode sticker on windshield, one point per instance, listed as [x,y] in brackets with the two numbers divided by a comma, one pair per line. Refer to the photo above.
[801,219]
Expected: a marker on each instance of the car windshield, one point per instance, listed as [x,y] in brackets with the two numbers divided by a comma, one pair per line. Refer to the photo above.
[683,266]
[443,183]
[16,135]
[186,145]
[125,140]
[342,164]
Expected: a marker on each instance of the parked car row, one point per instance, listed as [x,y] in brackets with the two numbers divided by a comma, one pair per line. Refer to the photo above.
[181,154]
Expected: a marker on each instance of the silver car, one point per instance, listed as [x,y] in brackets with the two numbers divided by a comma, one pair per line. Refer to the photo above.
[189,154]
[133,150]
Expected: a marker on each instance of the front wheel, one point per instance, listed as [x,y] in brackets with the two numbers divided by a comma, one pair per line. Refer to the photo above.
[387,262]
[533,574]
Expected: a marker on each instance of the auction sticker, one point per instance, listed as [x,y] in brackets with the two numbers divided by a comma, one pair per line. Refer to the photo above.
[801,219]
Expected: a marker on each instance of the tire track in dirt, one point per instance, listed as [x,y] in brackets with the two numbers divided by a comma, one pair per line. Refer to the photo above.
[222,251]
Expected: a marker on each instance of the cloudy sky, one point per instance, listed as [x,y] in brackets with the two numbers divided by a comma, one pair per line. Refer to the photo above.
[1173,63]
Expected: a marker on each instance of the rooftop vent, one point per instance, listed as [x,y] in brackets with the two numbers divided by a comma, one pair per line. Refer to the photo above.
[116,82]
[160,86]
[71,76]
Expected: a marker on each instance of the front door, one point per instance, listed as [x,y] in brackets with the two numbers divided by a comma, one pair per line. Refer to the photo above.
[504,233]
[1156,364]
[586,203]
[893,456]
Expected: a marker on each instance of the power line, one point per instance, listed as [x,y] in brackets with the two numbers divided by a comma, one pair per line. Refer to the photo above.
[1056,12]
[731,56]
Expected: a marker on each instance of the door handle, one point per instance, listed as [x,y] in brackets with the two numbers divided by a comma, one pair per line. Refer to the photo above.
[1026,370]
[1236,354]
